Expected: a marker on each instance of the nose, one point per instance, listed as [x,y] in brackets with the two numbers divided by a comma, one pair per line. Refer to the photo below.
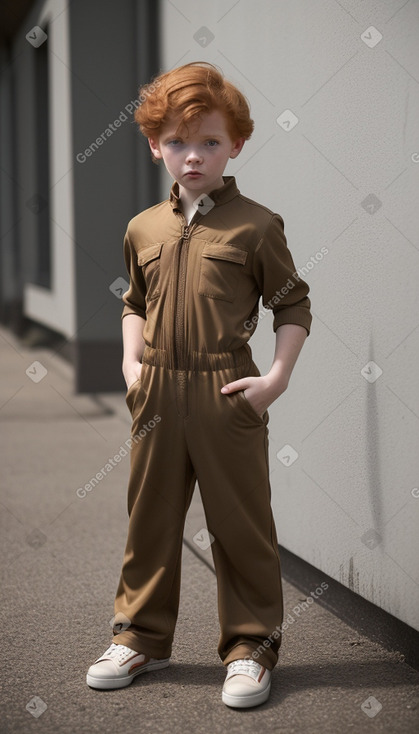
[193,155]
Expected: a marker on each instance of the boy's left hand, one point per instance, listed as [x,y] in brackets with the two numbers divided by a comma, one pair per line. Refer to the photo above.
[261,391]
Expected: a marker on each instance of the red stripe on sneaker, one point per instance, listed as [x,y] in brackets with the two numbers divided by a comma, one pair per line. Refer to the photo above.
[137,665]
[261,674]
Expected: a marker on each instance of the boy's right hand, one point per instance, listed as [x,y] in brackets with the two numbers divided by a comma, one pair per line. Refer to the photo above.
[132,373]
[134,345]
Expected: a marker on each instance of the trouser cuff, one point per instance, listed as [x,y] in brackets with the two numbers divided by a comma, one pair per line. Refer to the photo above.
[266,657]
[141,644]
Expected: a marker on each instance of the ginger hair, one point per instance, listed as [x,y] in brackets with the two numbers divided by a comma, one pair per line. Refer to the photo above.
[188,92]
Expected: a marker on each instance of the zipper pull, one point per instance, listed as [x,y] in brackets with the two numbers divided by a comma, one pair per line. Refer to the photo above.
[185,234]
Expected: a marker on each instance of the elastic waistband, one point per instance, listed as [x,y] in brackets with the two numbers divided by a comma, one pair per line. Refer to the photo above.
[199,360]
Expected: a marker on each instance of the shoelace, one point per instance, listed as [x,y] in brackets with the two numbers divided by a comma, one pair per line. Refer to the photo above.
[249,664]
[119,652]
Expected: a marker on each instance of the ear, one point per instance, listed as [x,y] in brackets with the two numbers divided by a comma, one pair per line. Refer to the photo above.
[237,146]
[155,148]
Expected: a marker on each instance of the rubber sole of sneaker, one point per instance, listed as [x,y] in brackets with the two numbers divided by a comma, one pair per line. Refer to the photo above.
[244,702]
[106,684]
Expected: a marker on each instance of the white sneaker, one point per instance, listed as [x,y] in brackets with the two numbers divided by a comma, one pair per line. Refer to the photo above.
[247,684]
[118,667]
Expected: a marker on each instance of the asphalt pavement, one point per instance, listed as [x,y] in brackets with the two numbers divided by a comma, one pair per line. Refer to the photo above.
[62,548]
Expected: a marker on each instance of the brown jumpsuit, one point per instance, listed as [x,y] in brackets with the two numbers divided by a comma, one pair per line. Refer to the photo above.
[198,287]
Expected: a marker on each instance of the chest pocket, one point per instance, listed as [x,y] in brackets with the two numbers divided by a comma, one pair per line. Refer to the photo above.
[149,261]
[220,269]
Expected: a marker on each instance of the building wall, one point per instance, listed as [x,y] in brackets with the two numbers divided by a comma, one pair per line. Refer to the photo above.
[112,53]
[344,178]
[92,165]
[10,288]
[55,307]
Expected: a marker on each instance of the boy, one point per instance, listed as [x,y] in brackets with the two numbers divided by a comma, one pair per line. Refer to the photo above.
[198,264]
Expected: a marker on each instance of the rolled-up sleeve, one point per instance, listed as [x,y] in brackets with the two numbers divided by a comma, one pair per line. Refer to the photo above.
[281,288]
[134,298]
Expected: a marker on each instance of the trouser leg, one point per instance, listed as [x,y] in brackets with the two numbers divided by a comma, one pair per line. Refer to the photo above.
[160,490]
[228,445]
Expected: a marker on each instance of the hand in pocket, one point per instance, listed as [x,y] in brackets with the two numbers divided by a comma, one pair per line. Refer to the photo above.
[133,374]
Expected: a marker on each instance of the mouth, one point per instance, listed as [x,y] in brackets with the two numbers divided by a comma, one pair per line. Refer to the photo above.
[193,174]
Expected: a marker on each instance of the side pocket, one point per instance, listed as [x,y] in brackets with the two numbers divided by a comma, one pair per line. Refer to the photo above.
[132,393]
[260,418]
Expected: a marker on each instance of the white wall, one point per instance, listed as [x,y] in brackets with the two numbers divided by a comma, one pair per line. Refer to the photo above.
[356,137]
[56,307]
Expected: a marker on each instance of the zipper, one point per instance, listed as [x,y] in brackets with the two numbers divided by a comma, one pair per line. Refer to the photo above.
[179,296]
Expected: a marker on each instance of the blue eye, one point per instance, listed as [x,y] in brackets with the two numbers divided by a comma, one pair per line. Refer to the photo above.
[212,143]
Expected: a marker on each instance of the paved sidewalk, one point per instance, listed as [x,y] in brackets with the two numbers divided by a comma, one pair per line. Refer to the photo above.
[62,555]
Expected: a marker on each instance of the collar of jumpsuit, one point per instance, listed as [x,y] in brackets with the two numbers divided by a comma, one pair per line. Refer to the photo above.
[218,196]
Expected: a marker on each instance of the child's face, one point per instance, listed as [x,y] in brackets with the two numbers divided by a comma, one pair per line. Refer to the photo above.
[197,158]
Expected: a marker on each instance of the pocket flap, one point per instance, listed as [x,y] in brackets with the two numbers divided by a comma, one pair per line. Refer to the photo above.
[225,252]
[151,252]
